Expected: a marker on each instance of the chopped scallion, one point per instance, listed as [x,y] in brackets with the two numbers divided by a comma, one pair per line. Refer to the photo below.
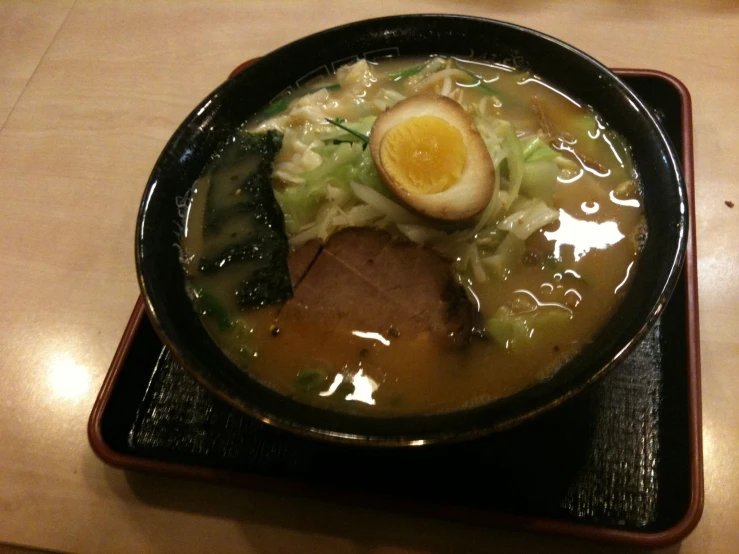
[310,380]
[338,123]
[404,73]
[276,107]
[214,308]
[489,91]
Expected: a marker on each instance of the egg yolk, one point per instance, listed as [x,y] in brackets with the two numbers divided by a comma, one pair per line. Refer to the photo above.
[423,155]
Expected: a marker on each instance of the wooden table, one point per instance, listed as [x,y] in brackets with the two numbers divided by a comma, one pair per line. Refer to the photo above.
[90,91]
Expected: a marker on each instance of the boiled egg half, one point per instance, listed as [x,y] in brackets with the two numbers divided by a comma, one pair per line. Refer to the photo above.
[430,154]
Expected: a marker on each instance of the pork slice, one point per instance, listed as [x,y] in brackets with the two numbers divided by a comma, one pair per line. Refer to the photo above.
[300,260]
[365,280]
[331,296]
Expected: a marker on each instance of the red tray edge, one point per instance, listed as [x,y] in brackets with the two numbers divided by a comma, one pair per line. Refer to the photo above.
[467,515]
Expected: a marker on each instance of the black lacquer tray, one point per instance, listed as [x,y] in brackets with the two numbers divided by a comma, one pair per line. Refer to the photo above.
[620,463]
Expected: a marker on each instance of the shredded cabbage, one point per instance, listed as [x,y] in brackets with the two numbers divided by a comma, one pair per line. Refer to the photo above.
[342,164]
[386,98]
[392,211]
[506,255]
[519,330]
[493,207]
[476,265]
[515,166]
[525,222]
[536,149]
[539,179]
[357,216]
[420,234]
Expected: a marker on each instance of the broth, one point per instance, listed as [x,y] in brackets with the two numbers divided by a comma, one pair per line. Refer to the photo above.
[537,300]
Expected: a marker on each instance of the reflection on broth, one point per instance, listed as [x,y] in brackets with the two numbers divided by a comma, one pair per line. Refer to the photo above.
[582,235]
[413,236]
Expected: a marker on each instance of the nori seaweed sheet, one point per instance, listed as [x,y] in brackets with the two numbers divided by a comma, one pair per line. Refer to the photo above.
[270,282]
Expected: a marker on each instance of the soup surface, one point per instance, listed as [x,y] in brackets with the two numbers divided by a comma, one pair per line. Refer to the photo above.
[460,257]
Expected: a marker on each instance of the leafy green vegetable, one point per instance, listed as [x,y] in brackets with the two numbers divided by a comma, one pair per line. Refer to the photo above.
[310,380]
[520,330]
[332,88]
[360,136]
[212,307]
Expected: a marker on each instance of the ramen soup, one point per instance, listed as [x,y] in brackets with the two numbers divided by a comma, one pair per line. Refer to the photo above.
[412,236]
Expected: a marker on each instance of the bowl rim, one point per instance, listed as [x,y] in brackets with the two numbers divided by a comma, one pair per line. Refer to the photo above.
[425,438]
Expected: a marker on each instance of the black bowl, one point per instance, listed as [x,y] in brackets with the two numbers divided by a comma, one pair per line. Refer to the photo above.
[163,282]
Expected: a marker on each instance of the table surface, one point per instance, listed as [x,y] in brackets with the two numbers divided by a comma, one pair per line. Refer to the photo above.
[91,90]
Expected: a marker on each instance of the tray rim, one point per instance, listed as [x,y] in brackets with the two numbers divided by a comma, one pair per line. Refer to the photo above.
[461,513]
